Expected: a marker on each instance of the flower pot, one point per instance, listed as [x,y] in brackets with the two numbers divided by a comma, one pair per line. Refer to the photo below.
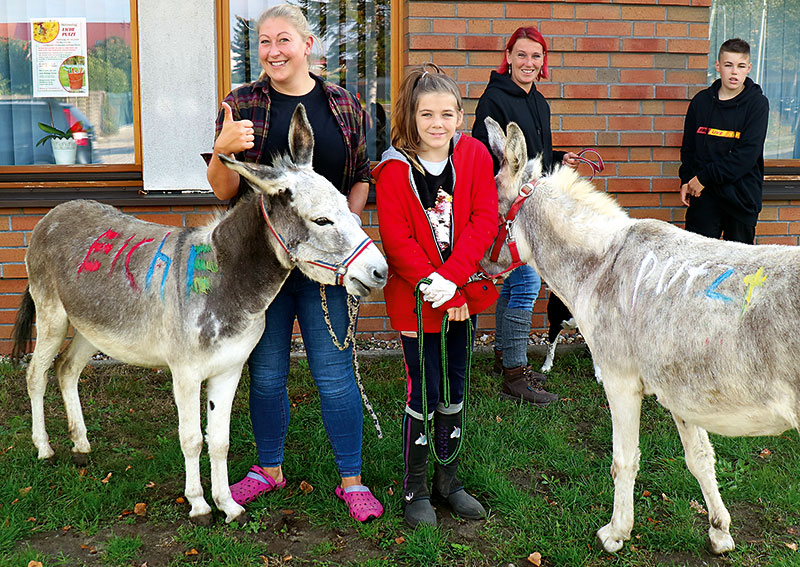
[64,150]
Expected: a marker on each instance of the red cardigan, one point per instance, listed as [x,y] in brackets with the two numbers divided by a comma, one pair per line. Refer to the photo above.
[408,240]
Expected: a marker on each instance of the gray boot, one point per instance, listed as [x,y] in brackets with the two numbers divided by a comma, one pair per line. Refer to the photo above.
[516,330]
[446,486]
[499,315]
[416,497]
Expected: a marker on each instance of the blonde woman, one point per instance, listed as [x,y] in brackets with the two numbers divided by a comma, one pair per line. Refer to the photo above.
[253,124]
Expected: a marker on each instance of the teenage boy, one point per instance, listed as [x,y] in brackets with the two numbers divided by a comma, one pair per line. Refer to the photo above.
[722,154]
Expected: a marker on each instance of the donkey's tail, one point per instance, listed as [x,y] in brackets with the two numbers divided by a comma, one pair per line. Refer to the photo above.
[23,328]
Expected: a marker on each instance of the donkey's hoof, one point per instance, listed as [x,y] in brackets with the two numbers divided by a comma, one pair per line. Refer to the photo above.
[609,543]
[720,544]
[203,520]
[80,459]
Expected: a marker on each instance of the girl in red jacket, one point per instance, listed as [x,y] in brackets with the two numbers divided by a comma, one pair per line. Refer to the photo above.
[437,210]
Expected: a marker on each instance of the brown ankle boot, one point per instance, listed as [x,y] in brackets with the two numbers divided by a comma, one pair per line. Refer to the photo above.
[497,368]
[520,386]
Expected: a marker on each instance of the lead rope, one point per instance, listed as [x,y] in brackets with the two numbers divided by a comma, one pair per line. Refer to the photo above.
[350,339]
[446,381]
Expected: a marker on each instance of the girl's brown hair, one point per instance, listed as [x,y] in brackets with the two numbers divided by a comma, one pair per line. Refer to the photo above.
[428,78]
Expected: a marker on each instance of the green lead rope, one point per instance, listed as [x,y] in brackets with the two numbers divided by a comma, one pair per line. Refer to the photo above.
[445,374]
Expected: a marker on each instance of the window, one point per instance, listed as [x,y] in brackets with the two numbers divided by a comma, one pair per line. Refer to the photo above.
[67,64]
[354,53]
[770,27]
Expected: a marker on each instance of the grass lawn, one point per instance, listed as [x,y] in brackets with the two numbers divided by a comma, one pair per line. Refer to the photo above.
[542,472]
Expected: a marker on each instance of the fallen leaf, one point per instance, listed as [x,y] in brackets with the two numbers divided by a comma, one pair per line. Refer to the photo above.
[305,487]
[33,563]
[192,551]
[15,500]
[180,500]
[140,509]
[130,410]
[32,519]
[82,472]
[108,476]
[287,557]
[6,450]
[287,512]
[150,484]
[126,512]
[646,493]
[128,468]
[89,548]
[24,491]
[498,419]
[765,453]
[791,530]
[399,540]
[664,497]
[535,558]
[792,546]
[66,528]
[390,491]
[694,505]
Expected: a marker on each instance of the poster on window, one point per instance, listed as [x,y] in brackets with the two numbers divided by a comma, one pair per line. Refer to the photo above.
[58,54]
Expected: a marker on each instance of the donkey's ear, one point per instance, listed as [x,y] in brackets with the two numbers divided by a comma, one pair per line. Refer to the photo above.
[515,151]
[497,138]
[301,137]
[261,177]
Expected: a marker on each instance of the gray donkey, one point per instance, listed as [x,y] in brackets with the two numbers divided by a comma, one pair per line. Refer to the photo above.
[708,327]
[189,299]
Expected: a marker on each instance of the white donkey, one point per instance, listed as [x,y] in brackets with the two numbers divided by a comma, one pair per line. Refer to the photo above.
[708,327]
[189,299]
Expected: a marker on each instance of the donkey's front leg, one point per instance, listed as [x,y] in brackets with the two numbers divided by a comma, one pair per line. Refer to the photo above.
[625,401]
[186,388]
[700,460]
[221,390]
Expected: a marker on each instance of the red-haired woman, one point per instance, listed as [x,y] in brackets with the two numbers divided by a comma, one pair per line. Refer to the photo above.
[511,96]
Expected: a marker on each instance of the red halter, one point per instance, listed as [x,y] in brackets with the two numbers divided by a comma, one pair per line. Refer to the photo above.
[505,234]
[340,268]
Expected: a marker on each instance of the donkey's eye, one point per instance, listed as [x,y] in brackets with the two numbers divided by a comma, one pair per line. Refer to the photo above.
[322,221]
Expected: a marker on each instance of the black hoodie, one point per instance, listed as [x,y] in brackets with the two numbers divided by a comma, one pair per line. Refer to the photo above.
[505,101]
[723,145]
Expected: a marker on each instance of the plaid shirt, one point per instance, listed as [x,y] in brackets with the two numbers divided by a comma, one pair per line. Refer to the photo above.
[252,102]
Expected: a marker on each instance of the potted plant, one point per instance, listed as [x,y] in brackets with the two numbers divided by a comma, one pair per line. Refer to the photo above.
[63,143]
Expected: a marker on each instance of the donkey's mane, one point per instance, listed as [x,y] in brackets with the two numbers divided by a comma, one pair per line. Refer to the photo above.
[583,215]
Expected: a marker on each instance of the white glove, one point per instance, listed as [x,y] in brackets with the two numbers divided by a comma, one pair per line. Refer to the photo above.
[439,291]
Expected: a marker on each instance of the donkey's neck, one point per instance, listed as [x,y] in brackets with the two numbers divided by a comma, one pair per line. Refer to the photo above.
[566,242]
[250,271]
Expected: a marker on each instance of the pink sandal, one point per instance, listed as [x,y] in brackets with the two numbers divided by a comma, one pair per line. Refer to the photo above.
[256,483]
[362,504]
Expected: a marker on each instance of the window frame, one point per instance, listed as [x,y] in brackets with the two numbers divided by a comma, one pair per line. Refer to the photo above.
[47,184]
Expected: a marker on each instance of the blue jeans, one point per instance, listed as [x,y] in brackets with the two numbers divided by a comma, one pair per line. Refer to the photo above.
[331,369]
[521,288]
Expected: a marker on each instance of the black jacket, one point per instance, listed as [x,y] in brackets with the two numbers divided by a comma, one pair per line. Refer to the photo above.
[723,145]
[505,101]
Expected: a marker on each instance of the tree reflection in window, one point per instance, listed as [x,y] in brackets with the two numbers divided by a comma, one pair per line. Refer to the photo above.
[354,53]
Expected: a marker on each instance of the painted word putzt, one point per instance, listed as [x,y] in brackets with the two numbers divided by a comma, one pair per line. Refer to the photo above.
[669,275]
[104,244]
